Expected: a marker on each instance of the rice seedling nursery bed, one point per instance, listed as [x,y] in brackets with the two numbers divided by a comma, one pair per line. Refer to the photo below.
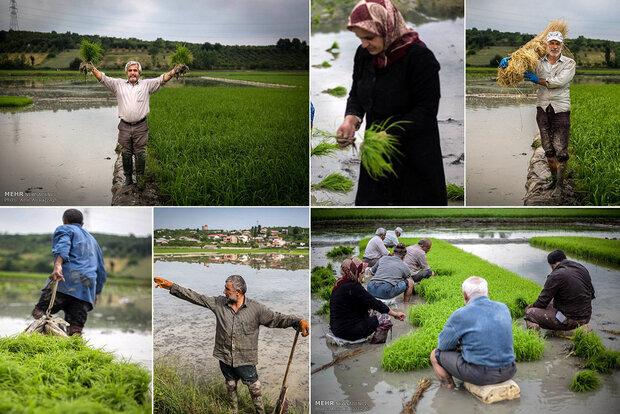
[14,101]
[49,375]
[589,248]
[340,252]
[221,146]
[322,281]
[443,296]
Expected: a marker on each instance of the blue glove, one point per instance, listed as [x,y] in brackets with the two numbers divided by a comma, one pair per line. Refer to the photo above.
[503,64]
[531,76]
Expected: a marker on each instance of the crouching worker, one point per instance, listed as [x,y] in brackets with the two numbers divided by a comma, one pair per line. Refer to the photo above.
[238,320]
[416,260]
[350,304]
[475,344]
[79,270]
[566,299]
[391,277]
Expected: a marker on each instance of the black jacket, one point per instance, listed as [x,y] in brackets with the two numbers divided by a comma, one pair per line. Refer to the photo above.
[349,306]
[570,287]
[407,90]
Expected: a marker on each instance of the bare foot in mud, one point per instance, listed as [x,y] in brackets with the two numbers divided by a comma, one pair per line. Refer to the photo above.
[532,325]
[447,384]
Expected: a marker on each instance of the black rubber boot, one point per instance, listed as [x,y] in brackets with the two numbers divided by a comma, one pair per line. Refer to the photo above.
[140,166]
[128,167]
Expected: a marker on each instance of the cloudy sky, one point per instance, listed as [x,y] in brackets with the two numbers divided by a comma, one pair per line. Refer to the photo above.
[596,19]
[243,22]
[229,218]
[110,220]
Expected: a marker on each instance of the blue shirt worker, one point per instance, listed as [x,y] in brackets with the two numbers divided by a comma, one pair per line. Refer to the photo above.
[79,270]
[475,344]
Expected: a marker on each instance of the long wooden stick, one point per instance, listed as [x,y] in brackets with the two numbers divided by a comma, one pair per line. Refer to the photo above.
[341,357]
[52,298]
[279,408]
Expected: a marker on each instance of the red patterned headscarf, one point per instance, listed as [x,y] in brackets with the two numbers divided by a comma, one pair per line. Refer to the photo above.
[381,18]
[350,269]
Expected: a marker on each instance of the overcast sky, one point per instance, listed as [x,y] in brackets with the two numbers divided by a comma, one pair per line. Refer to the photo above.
[241,22]
[597,19]
[229,218]
[110,220]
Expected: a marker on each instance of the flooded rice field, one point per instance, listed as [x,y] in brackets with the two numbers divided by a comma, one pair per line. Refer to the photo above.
[360,384]
[444,38]
[185,333]
[120,322]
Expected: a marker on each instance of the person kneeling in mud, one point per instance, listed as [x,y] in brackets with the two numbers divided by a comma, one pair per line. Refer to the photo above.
[79,270]
[391,276]
[475,344]
[238,321]
[415,259]
[132,95]
[350,304]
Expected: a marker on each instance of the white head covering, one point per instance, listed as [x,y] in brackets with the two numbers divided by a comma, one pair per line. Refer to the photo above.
[555,36]
[398,230]
[133,62]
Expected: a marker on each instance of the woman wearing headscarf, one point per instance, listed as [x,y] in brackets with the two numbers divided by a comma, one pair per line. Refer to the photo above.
[350,304]
[395,78]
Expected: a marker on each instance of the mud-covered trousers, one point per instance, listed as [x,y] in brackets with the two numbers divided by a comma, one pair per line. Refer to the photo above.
[76,310]
[554,130]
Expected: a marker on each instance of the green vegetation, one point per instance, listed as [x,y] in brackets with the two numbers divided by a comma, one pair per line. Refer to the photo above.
[226,150]
[14,101]
[340,251]
[182,55]
[595,123]
[335,182]
[333,47]
[528,214]
[588,248]
[443,296]
[293,78]
[325,64]
[91,51]
[586,380]
[455,192]
[322,281]
[588,345]
[186,250]
[379,149]
[43,374]
[27,277]
[338,91]
[324,148]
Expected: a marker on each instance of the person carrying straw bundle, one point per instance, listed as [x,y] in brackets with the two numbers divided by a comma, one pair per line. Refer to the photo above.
[544,65]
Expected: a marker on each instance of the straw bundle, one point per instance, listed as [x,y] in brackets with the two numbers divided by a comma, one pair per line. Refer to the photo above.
[527,57]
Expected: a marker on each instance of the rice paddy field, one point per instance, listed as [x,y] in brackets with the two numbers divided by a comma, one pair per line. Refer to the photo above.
[225,145]
[589,248]
[382,378]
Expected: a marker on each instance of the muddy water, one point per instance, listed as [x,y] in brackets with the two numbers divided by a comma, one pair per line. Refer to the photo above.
[360,385]
[444,39]
[184,333]
[120,323]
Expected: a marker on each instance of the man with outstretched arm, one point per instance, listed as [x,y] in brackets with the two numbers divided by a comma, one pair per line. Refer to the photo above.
[236,335]
[133,95]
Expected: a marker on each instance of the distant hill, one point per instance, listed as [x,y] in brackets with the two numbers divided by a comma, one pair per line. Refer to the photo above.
[484,46]
[39,50]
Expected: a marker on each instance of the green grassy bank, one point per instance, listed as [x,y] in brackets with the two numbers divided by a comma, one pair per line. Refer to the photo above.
[588,248]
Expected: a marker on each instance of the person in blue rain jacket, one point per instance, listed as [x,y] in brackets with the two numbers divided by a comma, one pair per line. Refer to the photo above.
[79,270]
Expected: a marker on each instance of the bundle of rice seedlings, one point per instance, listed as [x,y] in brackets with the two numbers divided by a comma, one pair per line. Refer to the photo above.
[527,57]
[340,251]
[335,182]
[91,51]
[324,148]
[586,380]
[379,149]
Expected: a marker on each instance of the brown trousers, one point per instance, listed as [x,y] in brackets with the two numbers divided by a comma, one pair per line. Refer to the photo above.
[554,132]
[546,319]
[133,138]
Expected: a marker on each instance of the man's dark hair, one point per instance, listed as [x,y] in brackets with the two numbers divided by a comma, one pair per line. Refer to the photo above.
[556,256]
[238,283]
[73,216]
[400,250]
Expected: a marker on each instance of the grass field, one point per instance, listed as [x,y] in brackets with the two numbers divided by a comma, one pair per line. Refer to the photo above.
[588,248]
[6,276]
[14,101]
[326,214]
[52,375]
[443,296]
[595,143]
[183,250]
[297,78]
[230,145]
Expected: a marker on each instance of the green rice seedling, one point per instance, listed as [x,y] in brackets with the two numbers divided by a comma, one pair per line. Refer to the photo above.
[586,380]
[91,51]
[325,293]
[65,375]
[604,362]
[455,192]
[182,55]
[14,101]
[379,149]
[324,148]
[443,296]
[338,91]
[324,310]
[324,65]
[340,251]
[322,276]
[335,46]
[590,248]
[335,182]
[587,344]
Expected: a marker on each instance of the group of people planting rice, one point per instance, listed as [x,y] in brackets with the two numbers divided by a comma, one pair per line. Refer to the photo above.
[476,342]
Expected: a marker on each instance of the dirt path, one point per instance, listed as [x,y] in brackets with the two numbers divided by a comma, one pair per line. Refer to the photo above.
[248,83]
[131,196]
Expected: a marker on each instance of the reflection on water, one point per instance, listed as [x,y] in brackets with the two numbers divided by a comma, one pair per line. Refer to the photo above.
[255,261]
